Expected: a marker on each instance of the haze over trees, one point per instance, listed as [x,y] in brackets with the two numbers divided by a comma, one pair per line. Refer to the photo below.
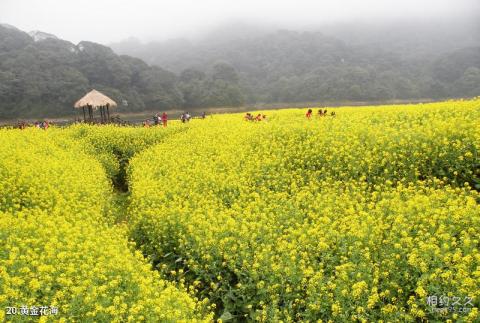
[356,61]
[41,75]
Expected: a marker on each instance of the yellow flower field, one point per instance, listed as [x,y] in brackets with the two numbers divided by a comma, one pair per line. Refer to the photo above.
[361,216]
[365,216]
[58,245]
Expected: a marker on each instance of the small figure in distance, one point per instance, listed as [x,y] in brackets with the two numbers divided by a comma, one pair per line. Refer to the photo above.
[146,123]
[309,114]
[264,117]
[248,117]
[204,115]
[333,114]
[164,119]
[156,119]
[258,117]
[320,112]
[325,112]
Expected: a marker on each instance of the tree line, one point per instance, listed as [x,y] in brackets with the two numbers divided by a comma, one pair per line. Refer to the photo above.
[290,66]
[45,78]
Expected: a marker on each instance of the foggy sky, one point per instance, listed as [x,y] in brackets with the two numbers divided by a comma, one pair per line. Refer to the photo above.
[106,21]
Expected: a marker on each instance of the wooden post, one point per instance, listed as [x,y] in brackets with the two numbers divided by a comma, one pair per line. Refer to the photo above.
[108,113]
[90,113]
[84,116]
[101,115]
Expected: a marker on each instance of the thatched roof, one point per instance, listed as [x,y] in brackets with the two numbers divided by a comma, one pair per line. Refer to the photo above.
[95,100]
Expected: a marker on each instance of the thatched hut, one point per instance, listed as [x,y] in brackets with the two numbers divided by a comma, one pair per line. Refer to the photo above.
[95,100]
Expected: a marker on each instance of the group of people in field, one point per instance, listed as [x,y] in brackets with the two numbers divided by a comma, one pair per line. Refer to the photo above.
[249,117]
[321,113]
[157,120]
[37,124]
[163,119]
[184,117]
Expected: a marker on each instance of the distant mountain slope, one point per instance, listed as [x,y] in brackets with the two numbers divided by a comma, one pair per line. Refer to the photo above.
[369,64]
[41,75]
[40,35]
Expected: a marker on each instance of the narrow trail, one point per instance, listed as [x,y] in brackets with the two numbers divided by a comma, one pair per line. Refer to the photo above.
[119,206]
[120,201]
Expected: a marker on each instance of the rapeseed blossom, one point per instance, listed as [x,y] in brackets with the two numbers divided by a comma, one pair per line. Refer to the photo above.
[357,218]
[360,217]
[59,246]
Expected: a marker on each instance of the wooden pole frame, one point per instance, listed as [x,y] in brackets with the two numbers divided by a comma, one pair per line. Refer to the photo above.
[104,114]
[90,113]
[101,115]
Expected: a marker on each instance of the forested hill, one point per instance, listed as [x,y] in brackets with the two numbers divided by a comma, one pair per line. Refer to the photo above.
[41,75]
[397,61]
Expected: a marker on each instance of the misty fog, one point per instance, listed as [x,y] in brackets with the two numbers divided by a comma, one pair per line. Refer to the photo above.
[107,21]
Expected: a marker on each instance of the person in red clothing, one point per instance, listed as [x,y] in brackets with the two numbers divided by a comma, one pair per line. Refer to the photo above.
[309,114]
[164,119]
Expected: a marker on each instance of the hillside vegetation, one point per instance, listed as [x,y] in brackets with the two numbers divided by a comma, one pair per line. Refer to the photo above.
[356,62]
[42,76]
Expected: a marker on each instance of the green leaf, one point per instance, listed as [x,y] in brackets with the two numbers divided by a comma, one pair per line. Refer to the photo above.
[226,316]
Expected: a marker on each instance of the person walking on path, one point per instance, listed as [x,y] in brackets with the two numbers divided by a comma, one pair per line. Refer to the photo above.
[164,119]
[309,114]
